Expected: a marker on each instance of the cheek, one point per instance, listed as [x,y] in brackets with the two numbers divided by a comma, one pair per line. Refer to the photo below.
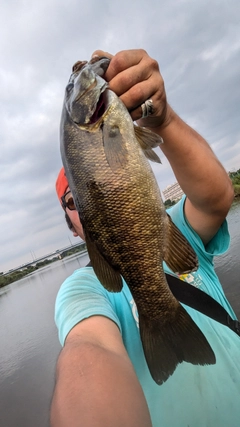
[76,222]
[75,219]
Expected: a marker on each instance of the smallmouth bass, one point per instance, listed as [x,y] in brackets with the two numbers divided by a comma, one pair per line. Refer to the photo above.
[127,230]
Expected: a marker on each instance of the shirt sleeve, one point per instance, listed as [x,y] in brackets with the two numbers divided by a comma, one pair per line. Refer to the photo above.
[81,296]
[217,245]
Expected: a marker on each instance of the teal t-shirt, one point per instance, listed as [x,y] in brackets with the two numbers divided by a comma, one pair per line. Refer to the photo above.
[194,396]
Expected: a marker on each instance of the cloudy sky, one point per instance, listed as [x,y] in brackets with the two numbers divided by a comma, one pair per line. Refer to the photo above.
[197,45]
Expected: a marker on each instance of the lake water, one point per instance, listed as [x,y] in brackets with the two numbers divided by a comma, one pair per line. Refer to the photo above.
[228,265]
[29,344]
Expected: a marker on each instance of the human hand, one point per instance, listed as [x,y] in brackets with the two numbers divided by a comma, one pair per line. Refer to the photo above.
[135,77]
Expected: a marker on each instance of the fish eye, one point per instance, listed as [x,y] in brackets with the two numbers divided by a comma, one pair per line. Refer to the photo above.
[69,87]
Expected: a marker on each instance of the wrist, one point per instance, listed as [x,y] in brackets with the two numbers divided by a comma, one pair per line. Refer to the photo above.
[169,118]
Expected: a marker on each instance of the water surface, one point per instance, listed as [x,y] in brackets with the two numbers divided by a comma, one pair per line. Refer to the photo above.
[228,265]
[29,344]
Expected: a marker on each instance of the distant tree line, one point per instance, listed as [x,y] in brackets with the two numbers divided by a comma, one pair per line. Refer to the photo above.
[10,277]
[235,178]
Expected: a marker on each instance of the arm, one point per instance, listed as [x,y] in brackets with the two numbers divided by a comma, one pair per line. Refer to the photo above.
[135,77]
[96,385]
[201,176]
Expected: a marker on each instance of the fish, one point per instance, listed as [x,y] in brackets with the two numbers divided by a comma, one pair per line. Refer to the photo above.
[127,230]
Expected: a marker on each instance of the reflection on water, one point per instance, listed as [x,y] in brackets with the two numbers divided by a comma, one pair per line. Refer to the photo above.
[28,336]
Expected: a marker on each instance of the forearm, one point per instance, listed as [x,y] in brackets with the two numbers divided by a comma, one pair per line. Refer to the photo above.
[198,171]
[96,387]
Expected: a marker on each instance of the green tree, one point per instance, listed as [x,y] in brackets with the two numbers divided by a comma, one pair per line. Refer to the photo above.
[169,203]
[235,178]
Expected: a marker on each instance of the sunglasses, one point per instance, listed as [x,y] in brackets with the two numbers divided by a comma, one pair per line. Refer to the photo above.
[67,201]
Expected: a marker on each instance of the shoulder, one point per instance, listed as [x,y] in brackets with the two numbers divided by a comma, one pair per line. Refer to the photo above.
[216,246]
[81,296]
[80,280]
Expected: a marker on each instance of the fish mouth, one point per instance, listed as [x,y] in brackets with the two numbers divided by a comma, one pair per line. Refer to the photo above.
[101,108]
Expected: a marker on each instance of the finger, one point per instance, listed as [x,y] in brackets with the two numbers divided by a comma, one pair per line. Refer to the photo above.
[152,86]
[133,69]
[155,115]
[137,113]
[136,95]
[128,79]
[160,109]
[102,53]
[124,60]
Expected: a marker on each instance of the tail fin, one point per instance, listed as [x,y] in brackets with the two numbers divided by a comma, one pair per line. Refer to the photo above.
[168,344]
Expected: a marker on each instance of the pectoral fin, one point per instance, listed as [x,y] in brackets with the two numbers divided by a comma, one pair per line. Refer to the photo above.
[148,140]
[114,147]
[178,253]
[106,274]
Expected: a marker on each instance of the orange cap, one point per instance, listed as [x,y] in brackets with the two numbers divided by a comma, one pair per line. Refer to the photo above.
[61,184]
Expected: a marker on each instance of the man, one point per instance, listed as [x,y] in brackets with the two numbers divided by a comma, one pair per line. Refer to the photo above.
[102,377]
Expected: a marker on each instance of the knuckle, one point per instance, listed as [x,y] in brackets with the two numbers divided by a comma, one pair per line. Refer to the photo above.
[153,64]
[119,60]
[143,52]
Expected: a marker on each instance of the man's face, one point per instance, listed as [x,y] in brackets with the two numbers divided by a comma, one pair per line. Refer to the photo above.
[74,217]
